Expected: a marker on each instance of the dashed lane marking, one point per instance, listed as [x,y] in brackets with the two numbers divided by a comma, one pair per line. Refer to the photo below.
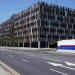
[32,55]
[54,64]
[11,56]
[51,59]
[60,65]
[58,71]
[25,60]
[70,64]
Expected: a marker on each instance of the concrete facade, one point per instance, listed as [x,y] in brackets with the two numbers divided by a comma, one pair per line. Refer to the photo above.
[42,25]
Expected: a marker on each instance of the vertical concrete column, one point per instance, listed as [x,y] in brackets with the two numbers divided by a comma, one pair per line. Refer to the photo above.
[55,17]
[59,24]
[18,43]
[23,44]
[30,44]
[48,44]
[59,37]
[38,44]
[10,44]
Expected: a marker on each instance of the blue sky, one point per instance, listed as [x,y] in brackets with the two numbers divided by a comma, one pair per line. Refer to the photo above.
[10,7]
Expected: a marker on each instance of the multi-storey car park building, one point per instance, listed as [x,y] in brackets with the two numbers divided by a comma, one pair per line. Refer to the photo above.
[41,25]
[6,33]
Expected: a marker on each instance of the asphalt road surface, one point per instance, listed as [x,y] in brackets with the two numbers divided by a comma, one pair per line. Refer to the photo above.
[38,63]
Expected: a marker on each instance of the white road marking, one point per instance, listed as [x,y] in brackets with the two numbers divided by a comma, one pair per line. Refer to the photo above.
[60,65]
[58,72]
[25,60]
[70,64]
[32,55]
[54,64]
[11,56]
[51,59]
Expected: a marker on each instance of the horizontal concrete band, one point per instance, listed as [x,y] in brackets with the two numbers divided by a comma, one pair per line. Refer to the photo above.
[24,48]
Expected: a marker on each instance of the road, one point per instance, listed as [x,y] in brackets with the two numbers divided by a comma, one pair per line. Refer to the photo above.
[38,63]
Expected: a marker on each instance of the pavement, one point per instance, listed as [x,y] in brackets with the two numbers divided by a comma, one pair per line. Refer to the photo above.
[3,71]
[25,48]
[38,63]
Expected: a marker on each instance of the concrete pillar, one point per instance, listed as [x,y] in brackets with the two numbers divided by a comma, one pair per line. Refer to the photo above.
[18,43]
[30,44]
[48,44]
[38,44]
[23,44]
[10,45]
